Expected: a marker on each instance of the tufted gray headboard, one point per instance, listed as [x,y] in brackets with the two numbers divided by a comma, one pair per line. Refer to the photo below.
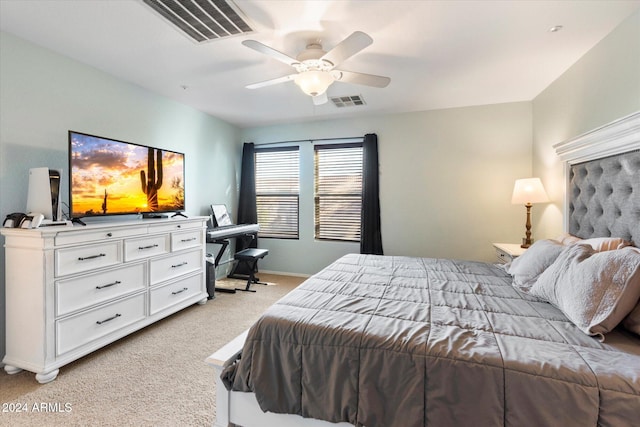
[605,197]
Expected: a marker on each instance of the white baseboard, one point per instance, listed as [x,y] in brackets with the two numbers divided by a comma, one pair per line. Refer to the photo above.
[285,273]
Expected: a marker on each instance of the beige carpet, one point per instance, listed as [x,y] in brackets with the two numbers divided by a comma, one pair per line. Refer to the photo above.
[154,377]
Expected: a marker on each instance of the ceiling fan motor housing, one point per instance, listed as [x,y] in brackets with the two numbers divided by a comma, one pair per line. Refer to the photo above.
[310,59]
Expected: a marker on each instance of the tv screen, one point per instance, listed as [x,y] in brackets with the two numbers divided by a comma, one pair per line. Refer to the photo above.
[110,177]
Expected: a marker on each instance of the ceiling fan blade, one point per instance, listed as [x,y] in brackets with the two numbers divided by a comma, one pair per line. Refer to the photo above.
[320,99]
[271,82]
[347,48]
[361,78]
[269,51]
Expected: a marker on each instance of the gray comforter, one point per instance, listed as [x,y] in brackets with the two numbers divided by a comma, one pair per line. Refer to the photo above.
[397,341]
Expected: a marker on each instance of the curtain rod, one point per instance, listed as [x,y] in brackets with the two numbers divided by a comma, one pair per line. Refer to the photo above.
[308,140]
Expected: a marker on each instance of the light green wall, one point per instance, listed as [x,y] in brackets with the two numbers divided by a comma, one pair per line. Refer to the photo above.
[604,85]
[446,179]
[43,95]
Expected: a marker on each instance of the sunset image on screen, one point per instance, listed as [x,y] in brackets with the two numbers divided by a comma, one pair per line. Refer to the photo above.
[112,177]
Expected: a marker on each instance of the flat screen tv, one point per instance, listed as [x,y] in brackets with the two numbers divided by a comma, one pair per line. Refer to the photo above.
[111,177]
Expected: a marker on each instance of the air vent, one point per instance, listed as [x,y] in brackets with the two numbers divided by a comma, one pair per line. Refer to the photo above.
[202,20]
[347,101]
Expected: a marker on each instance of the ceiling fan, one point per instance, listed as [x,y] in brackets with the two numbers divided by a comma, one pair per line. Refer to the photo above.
[315,68]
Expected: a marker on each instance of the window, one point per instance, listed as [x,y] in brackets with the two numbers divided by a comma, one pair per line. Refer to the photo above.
[338,191]
[278,191]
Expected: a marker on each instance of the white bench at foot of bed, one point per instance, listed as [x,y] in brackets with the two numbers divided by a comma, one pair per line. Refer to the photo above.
[236,407]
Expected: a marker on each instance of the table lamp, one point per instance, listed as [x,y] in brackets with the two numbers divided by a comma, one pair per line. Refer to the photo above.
[528,191]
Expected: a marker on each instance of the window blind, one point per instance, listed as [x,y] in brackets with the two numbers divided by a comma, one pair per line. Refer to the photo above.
[278,191]
[338,191]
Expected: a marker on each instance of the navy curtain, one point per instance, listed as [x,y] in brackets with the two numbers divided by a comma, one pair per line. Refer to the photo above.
[370,234]
[247,211]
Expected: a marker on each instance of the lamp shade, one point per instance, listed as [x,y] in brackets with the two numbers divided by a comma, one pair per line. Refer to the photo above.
[529,190]
[314,82]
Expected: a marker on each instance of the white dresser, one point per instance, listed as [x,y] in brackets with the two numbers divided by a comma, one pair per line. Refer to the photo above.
[72,290]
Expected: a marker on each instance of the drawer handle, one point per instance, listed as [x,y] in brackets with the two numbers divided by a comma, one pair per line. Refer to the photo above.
[180,291]
[141,248]
[109,234]
[117,282]
[100,322]
[179,265]
[188,240]
[90,257]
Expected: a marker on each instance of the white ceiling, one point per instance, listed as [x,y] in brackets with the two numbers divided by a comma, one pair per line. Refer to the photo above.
[438,54]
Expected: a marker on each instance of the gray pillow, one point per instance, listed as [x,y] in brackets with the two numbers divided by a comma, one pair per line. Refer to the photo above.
[595,290]
[527,267]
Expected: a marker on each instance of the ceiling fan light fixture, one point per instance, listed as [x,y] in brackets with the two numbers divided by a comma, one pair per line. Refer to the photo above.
[314,82]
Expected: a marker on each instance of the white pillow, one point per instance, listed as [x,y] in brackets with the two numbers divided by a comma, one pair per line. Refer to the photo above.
[598,243]
[568,239]
[526,268]
[605,243]
[595,290]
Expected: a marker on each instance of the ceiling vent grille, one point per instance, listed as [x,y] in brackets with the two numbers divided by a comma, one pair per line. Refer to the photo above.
[202,20]
[347,101]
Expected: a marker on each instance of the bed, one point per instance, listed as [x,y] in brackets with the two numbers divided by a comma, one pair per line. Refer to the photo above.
[399,341]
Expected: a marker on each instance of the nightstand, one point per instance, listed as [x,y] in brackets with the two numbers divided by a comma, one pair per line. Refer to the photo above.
[507,252]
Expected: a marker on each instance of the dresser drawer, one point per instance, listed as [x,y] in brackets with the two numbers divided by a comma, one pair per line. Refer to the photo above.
[167,268]
[185,240]
[168,295]
[82,236]
[146,247]
[503,257]
[87,258]
[507,252]
[76,331]
[97,288]
[164,228]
